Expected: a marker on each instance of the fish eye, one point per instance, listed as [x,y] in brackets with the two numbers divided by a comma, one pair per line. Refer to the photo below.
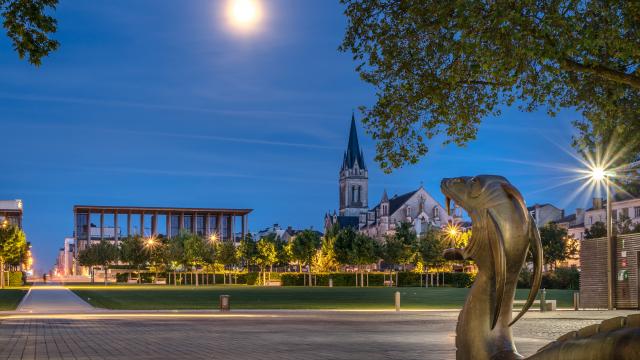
[475,188]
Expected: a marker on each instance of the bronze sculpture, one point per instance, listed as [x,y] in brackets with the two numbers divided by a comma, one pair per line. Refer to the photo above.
[503,233]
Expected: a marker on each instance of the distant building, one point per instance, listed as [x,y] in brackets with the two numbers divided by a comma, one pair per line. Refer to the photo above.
[416,207]
[65,263]
[112,223]
[11,212]
[545,213]
[280,233]
[624,208]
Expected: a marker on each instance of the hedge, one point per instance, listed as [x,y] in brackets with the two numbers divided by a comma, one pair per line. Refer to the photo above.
[561,278]
[189,278]
[16,278]
[405,279]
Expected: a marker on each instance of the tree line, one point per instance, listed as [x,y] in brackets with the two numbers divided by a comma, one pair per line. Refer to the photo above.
[308,250]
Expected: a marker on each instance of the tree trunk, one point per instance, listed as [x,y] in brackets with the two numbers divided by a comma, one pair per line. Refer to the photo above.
[1,273]
[105,275]
[197,280]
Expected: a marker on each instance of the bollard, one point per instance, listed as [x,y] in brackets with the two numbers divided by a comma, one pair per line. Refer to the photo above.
[576,301]
[397,297]
[225,303]
[330,282]
[543,296]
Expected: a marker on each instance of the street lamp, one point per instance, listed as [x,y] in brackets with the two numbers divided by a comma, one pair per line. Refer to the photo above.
[213,238]
[601,175]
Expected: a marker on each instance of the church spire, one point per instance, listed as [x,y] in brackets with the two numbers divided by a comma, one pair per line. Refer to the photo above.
[354,153]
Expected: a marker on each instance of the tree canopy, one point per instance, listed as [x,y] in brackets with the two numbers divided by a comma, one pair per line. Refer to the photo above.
[556,245]
[441,67]
[29,27]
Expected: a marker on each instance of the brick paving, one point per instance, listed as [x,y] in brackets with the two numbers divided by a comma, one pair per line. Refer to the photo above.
[259,335]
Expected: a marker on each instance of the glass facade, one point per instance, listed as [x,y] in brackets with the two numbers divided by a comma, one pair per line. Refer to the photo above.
[82,220]
[225,227]
[175,225]
[213,224]
[200,225]
[187,223]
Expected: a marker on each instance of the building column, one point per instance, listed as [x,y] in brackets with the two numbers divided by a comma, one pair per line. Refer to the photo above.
[102,225]
[88,229]
[142,224]
[207,231]
[129,224]
[181,225]
[219,226]
[244,226]
[168,224]
[231,221]
[194,220]
[116,230]
[154,224]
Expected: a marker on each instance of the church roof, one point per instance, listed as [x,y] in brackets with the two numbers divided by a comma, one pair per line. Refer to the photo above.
[354,153]
[397,201]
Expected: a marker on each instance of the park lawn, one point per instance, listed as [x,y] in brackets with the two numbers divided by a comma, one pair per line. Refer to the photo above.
[154,297]
[11,297]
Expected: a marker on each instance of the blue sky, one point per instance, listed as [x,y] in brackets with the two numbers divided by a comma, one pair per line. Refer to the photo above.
[156,103]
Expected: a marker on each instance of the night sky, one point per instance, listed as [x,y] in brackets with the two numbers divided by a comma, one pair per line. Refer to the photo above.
[157,103]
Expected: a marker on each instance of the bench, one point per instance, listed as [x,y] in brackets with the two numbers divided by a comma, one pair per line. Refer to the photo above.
[388,283]
[161,281]
[550,305]
[132,281]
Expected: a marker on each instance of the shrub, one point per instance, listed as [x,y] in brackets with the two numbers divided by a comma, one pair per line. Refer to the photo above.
[561,278]
[16,278]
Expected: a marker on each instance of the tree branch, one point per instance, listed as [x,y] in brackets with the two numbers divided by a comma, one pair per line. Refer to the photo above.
[601,71]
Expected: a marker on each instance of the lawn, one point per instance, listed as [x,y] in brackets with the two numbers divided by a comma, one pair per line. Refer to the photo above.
[141,297]
[10,298]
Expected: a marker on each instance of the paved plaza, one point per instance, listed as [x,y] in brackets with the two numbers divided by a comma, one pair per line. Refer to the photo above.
[259,334]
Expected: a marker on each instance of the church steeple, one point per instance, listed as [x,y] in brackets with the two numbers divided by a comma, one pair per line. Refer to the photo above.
[353,177]
[354,154]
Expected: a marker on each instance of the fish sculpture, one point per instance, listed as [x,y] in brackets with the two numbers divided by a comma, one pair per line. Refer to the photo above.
[503,234]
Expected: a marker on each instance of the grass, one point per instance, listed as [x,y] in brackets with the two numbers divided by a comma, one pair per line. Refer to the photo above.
[145,297]
[10,298]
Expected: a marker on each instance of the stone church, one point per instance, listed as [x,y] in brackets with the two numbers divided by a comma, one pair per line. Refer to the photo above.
[416,207]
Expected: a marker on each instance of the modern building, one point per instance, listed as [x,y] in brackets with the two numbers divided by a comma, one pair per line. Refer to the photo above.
[11,212]
[417,207]
[95,223]
[65,263]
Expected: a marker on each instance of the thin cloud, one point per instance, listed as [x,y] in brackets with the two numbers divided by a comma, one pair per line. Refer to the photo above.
[150,106]
[208,174]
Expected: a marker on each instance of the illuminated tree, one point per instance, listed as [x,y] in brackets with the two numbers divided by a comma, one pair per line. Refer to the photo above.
[13,248]
[304,246]
[102,254]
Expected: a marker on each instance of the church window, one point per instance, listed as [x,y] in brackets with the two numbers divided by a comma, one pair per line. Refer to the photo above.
[408,211]
[436,212]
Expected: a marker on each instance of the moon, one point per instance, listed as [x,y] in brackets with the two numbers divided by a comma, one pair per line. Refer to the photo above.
[244,15]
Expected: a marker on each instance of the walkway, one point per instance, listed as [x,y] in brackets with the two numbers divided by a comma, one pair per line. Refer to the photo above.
[52,298]
[258,336]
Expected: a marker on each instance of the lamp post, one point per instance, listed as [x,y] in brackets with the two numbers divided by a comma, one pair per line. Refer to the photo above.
[599,174]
